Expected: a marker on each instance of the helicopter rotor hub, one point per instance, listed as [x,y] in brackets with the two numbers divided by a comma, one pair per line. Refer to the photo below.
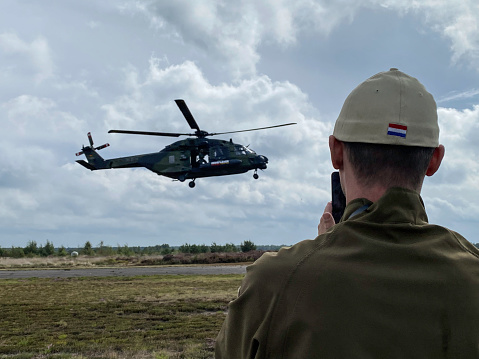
[201,133]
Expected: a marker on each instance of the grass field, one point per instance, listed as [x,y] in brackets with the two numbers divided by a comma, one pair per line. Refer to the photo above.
[115,317]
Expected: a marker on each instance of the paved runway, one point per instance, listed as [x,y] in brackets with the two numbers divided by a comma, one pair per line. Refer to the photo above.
[121,271]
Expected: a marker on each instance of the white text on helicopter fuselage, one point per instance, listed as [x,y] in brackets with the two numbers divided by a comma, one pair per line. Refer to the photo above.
[219,163]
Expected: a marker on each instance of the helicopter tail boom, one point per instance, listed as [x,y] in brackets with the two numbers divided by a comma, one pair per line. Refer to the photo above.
[95,161]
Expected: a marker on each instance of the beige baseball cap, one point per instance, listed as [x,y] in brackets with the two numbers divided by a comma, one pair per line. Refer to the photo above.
[389,108]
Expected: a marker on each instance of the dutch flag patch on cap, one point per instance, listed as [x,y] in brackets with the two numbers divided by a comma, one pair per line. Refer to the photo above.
[397,130]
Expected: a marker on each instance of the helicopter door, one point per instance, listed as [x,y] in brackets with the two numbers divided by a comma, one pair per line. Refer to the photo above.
[199,157]
[194,158]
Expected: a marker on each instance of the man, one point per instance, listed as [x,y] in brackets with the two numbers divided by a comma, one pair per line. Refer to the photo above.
[382,283]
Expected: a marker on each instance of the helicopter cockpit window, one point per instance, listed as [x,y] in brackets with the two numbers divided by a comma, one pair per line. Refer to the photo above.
[241,150]
[171,159]
[218,152]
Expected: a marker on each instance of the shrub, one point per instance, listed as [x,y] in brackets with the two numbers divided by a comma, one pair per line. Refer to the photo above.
[185,248]
[17,252]
[62,252]
[247,246]
[215,248]
[103,250]
[48,250]
[31,249]
[125,250]
[88,249]
[230,248]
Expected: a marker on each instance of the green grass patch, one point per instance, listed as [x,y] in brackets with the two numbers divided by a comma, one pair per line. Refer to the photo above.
[115,317]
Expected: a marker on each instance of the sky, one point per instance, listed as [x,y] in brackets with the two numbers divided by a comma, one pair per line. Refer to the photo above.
[69,67]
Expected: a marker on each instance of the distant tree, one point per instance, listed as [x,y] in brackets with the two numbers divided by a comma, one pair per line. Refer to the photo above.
[103,250]
[125,250]
[135,250]
[230,248]
[48,250]
[165,249]
[31,249]
[62,252]
[2,252]
[185,248]
[215,248]
[17,252]
[247,246]
[195,249]
[88,249]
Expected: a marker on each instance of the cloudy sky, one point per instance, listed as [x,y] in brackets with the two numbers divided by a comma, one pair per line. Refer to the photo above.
[70,67]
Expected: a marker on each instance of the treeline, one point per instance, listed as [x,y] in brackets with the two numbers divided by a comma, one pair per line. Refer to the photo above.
[32,249]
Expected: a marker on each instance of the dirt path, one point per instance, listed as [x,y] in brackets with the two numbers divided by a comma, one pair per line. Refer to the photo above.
[124,271]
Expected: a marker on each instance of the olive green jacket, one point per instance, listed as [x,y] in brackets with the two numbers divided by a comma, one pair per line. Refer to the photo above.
[382,284]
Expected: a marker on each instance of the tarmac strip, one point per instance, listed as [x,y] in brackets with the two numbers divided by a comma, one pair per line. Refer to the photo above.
[121,271]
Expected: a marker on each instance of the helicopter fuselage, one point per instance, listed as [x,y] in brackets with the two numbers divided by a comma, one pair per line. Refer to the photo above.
[190,158]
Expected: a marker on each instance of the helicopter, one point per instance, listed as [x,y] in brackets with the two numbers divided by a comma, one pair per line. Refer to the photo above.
[191,158]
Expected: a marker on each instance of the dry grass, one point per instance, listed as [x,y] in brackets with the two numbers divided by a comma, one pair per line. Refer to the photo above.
[50,262]
[90,261]
[115,317]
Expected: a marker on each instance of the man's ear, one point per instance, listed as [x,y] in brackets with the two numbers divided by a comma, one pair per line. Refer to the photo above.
[336,148]
[436,160]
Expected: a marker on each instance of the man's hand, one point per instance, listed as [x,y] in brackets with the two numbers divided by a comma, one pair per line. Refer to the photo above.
[327,220]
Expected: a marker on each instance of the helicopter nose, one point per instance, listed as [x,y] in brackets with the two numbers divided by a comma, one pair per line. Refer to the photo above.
[262,161]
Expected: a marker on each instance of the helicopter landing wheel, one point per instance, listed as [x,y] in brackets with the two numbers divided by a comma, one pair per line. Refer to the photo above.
[255,176]
[181,178]
[192,184]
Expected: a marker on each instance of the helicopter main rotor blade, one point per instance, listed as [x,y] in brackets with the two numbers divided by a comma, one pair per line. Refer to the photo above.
[253,129]
[167,134]
[186,112]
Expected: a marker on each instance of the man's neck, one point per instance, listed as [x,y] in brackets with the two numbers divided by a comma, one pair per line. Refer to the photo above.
[370,193]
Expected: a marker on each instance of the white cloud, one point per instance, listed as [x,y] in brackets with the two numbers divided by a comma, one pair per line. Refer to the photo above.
[74,195]
[458,96]
[456,20]
[93,24]
[30,115]
[208,53]
[451,189]
[37,52]
[233,32]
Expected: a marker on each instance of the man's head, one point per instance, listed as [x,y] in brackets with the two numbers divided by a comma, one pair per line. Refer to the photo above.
[388,132]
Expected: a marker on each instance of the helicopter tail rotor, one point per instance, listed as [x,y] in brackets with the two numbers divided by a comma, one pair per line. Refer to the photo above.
[95,161]
[91,147]
[90,138]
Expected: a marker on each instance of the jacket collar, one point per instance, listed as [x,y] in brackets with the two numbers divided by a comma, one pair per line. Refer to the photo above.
[397,205]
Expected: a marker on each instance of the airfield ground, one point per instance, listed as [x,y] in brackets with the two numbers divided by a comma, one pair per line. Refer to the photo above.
[147,316]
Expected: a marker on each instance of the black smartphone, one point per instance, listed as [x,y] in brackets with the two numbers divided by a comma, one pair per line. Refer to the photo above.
[339,200]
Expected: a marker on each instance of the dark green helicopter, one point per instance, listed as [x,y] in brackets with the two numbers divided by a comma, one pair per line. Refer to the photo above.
[186,159]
